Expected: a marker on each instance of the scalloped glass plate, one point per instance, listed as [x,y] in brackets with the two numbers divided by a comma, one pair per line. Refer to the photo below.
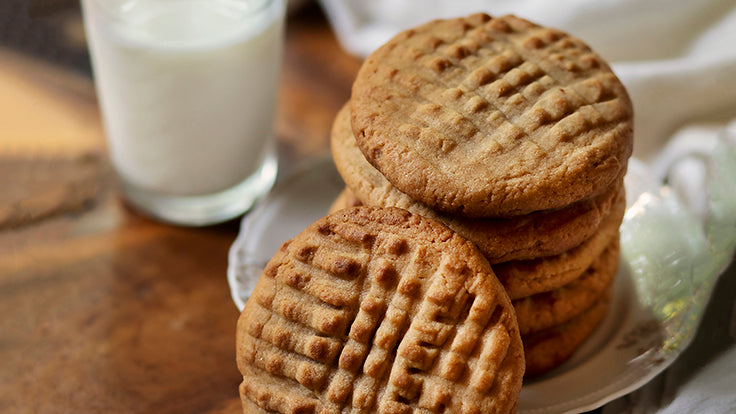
[664,282]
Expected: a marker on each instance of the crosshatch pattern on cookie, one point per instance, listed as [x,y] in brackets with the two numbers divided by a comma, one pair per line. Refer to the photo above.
[445,98]
[376,321]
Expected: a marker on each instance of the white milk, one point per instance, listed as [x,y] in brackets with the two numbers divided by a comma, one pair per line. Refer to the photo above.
[187,88]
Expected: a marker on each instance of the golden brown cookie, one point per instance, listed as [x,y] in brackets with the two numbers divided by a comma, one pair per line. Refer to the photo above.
[523,278]
[544,310]
[379,310]
[540,234]
[549,349]
[345,199]
[488,117]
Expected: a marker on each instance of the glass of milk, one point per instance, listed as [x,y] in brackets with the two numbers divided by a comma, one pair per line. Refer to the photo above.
[188,92]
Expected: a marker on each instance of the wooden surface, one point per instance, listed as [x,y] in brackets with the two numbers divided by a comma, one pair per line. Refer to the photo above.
[103,310]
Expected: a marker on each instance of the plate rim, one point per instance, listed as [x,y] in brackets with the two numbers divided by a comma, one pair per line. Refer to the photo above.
[640,373]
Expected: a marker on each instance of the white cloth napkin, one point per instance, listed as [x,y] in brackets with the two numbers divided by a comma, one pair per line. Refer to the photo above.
[678,62]
[703,395]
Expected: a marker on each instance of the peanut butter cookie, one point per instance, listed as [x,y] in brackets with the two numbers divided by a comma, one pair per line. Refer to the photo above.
[488,117]
[544,310]
[540,234]
[523,278]
[379,310]
[550,348]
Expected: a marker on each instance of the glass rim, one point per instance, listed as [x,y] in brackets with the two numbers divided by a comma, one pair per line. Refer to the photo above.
[131,28]
[107,10]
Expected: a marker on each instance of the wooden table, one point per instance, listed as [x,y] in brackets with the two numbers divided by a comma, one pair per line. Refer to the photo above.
[103,310]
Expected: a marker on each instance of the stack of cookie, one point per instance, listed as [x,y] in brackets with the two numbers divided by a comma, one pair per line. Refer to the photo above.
[516,137]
